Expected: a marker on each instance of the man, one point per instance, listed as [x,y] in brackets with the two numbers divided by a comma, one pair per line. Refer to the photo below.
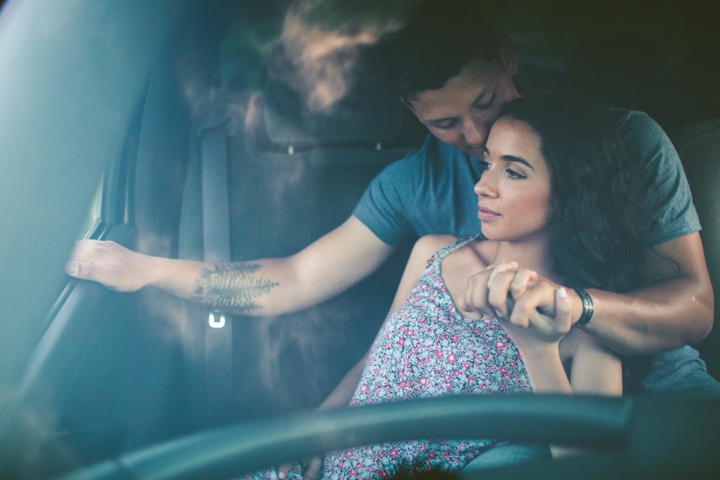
[454,76]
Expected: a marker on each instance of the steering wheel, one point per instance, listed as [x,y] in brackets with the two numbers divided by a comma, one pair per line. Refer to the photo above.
[632,437]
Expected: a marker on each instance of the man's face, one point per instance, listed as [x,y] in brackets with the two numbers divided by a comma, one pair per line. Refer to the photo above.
[462,112]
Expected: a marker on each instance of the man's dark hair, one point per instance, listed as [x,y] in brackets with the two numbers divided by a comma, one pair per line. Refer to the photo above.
[435,41]
[602,223]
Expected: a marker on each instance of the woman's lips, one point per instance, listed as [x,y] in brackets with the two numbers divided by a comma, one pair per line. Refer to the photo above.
[485,213]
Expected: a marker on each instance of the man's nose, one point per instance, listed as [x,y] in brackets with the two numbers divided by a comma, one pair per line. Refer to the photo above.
[475,132]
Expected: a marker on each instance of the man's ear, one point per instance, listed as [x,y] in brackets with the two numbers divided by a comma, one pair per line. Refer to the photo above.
[507,56]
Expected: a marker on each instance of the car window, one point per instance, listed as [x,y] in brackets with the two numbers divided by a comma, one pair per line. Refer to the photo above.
[94,214]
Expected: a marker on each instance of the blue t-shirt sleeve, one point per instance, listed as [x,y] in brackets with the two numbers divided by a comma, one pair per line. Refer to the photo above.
[664,185]
[384,207]
[428,191]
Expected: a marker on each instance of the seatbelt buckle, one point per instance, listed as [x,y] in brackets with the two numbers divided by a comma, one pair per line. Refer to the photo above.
[216,319]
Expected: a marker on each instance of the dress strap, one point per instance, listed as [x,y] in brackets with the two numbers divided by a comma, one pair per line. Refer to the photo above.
[445,251]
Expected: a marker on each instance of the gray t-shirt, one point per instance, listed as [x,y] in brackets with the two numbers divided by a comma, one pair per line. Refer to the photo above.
[430,191]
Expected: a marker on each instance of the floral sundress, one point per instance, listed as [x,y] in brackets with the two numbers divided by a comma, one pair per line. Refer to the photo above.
[426,349]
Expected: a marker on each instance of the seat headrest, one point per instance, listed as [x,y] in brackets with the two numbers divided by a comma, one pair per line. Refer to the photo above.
[341,98]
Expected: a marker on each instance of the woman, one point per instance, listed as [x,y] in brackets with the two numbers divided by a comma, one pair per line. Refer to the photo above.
[557,199]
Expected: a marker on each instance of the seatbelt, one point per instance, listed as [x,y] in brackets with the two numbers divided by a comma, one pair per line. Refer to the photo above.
[214,130]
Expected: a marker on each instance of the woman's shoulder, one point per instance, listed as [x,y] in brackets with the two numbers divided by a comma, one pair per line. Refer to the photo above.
[433,243]
[474,246]
[427,246]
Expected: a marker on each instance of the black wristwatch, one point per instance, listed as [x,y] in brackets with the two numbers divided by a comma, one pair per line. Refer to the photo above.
[588,307]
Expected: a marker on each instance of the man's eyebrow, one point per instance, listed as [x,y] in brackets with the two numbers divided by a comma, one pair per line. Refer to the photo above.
[513,158]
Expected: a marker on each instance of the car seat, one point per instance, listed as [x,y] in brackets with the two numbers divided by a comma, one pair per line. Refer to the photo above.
[698,145]
[293,174]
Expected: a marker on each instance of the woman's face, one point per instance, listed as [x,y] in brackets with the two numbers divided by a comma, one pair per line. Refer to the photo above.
[514,191]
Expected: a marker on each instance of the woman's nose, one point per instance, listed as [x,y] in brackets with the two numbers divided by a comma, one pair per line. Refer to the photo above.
[485,187]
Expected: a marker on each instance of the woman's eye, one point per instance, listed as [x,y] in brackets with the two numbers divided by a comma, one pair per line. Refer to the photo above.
[514,175]
[483,165]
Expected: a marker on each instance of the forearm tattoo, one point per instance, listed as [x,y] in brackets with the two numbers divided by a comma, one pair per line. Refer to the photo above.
[232,286]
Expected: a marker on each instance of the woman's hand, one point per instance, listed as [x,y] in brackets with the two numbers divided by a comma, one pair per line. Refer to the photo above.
[541,330]
[110,264]
[532,308]
[310,468]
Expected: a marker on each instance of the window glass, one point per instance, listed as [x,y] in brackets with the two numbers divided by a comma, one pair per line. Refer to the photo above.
[94,213]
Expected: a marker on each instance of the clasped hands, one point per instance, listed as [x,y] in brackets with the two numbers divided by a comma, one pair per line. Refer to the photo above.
[531,308]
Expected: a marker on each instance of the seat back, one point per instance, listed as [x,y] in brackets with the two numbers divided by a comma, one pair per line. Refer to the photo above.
[304,181]
[292,178]
[699,148]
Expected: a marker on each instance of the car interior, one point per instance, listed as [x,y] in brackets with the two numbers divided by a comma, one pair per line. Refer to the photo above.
[234,154]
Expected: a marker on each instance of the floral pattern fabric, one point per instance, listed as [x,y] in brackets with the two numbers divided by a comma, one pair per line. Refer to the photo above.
[427,349]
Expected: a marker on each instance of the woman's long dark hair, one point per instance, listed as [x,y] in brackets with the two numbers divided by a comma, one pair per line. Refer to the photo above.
[601,225]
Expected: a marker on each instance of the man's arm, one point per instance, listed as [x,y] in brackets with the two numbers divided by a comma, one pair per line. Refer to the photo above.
[323,269]
[675,311]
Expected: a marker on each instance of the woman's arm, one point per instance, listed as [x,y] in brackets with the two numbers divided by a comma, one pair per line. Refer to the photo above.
[539,344]
[513,295]
[422,251]
[343,393]
[594,370]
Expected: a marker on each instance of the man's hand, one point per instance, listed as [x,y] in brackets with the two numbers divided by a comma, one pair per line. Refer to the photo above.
[110,264]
